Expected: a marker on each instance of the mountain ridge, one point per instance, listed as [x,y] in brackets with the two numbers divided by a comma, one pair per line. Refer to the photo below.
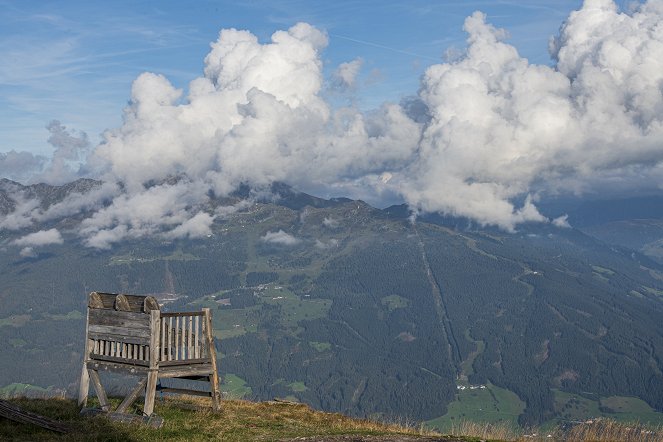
[340,310]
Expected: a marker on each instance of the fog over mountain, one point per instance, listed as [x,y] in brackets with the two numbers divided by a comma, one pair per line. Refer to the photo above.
[487,136]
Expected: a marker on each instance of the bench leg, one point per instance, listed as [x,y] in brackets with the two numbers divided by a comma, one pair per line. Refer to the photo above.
[131,397]
[150,392]
[83,387]
[101,393]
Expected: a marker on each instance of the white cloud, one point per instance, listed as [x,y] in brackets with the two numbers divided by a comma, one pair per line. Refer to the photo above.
[281,238]
[27,252]
[20,166]
[196,227]
[562,221]
[41,238]
[346,74]
[501,128]
[330,222]
[486,137]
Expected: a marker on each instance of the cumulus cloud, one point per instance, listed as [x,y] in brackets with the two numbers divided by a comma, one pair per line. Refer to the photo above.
[28,252]
[281,238]
[41,238]
[196,227]
[487,135]
[20,166]
[345,75]
[63,166]
[501,128]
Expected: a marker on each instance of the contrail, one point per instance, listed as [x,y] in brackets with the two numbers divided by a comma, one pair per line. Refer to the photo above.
[376,45]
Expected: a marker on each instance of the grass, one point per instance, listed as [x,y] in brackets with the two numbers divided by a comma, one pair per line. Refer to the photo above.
[235,387]
[320,346]
[394,302]
[572,407]
[489,407]
[191,419]
[237,421]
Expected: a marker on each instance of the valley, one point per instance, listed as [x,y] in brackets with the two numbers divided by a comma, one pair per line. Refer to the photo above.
[353,309]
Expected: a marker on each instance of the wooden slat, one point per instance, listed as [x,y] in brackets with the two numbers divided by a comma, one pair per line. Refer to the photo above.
[98,357]
[184,391]
[203,339]
[117,367]
[177,338]
[178,371]
[132,396]
[122,331]
[183,362]
[170,338]
[153,374]
[183,333]
[189,342]
[163,340]
[101,393]
[119,319]
[196,349]
[214,378]
[176,314]
[15,413]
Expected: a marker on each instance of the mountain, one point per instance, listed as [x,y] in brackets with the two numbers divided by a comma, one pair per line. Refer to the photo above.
[361,310]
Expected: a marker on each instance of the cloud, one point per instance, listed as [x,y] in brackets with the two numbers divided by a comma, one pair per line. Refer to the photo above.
[486,137]
[28,252]
[345,75]
[64,165]
[20,166]
[281,238]
[41,238]
[502,128]
[196,227]
[156,210]
[330,222]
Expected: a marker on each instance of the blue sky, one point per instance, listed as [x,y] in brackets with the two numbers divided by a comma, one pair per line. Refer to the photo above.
[74,61]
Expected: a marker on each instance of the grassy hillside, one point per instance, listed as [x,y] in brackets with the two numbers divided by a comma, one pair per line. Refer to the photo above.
[192,420]
[185,420]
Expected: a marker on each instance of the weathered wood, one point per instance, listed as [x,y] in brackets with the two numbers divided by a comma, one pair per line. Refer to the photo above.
[153,421]
[15,413]
[178,371]
[95,301]
[150,303]
[122,303]
[184,391]
[183,362]
[84,383]
[119,318]
[214,378]
[136,332]
[101,393]
[176,314]
[132,396]
[196,348]
[119,360]
[153,374]
[115,367]
[129,334]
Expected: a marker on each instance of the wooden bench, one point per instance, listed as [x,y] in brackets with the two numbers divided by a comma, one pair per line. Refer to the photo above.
[129,334]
